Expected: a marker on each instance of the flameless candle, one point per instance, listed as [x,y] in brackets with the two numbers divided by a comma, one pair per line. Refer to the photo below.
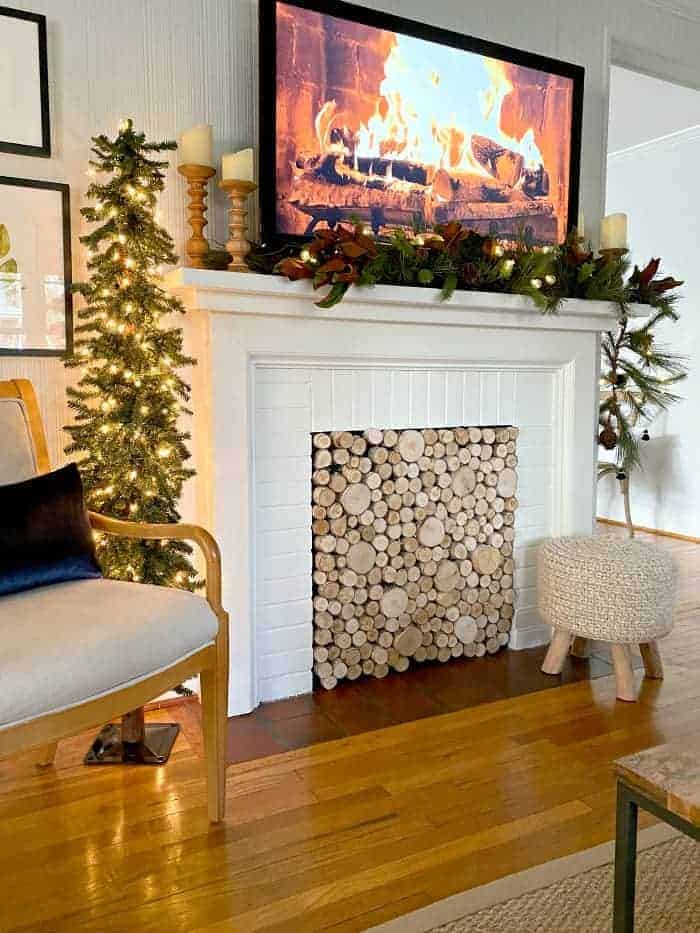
[613,232]
[238,166]
[196,146]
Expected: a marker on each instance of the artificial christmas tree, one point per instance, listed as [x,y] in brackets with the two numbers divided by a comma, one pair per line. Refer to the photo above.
[130,396]
[131,452]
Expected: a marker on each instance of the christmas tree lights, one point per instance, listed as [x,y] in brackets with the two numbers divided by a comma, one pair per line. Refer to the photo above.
[131,451]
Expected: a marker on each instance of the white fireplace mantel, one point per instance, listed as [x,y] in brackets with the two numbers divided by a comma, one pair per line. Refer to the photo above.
[276,368]
[245,293]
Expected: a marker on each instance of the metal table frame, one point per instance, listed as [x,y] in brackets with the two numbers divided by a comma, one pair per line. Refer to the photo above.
[628,802]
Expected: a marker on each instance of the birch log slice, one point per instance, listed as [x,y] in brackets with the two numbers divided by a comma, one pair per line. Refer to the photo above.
[411,446]
[356,499]
[361,557]
[465,629]
[463,481]
[394,603]
[408,641]
[486,559]
[507,483]
[431,532]
[447,576]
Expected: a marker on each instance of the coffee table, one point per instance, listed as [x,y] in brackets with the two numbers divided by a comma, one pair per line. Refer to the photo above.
[664,780]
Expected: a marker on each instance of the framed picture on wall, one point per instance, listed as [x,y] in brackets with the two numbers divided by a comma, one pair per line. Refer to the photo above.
[36,303]
[24,84]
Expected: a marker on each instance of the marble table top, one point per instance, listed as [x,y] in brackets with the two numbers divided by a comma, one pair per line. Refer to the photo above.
[668,774]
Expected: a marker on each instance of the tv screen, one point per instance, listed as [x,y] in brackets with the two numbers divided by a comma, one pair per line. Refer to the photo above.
[369,117]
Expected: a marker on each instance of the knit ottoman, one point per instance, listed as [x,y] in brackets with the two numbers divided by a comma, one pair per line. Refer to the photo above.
[611,589]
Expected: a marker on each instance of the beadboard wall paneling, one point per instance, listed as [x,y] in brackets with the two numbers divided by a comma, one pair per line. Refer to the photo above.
[172,63]
[168,64]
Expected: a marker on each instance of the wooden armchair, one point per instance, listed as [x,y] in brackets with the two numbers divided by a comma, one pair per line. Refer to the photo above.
[55,640]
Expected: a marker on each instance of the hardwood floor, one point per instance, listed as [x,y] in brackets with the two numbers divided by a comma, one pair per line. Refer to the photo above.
[428,690]
[341,835]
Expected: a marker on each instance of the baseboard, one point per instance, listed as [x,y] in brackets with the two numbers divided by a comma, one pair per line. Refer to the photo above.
[530,637]
[650,531]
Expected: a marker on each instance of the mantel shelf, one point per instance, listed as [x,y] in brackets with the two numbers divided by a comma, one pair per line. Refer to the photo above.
[248,293]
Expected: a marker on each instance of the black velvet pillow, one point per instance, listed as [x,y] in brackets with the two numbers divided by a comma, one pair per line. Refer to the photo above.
[45,535]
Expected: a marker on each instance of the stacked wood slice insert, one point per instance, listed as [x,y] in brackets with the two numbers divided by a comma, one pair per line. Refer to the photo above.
[413,547]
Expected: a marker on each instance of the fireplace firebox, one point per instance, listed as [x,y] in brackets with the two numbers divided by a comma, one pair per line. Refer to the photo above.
[413,536]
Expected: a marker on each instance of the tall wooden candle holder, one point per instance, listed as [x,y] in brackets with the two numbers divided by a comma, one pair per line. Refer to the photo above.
[197,177]
[237,244]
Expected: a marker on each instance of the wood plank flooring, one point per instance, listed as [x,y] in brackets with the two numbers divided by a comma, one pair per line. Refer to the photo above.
[341,835]
[427,690]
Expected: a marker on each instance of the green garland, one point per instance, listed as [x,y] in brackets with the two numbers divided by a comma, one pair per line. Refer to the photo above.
[453,257]
[637,375]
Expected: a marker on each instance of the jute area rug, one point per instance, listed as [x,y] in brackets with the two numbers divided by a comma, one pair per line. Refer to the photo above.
[574,895]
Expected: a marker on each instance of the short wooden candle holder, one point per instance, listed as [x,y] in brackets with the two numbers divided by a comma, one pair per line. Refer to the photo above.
[237,244]
[613,254]
[197,177]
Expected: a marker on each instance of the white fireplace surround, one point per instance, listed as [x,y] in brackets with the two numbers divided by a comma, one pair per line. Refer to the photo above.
[278,368]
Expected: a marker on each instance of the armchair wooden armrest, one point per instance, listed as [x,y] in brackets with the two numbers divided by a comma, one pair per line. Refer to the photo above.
[214,670]
[198,535]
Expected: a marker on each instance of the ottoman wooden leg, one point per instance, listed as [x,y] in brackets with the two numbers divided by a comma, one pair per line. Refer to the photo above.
[557,652]
[581,647]
[624,677]
[653,666]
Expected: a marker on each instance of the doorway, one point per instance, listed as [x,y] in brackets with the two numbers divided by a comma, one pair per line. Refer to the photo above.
[652,166]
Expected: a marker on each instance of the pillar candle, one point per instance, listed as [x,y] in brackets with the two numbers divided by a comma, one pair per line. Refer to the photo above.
[196,145]
[613,232]
[238,166]
[581,224]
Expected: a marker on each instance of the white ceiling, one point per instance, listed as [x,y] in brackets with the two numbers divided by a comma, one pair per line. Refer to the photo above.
[644,108]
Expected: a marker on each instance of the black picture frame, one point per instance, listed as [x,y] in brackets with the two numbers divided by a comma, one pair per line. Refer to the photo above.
[267,57]
[64,191]
[44,150]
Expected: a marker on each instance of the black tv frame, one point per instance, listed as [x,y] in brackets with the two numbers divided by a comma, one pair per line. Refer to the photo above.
[267,57]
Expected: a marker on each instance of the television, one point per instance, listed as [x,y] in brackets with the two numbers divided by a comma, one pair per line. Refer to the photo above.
[370,117]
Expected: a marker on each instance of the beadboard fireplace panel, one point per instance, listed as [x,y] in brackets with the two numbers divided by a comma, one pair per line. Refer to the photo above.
[277,369]
[293,402]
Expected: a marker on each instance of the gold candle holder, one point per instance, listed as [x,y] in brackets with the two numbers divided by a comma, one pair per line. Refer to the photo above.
[197,177]
[237,244]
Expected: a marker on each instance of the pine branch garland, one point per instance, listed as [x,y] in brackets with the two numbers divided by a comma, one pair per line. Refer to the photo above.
[126,405]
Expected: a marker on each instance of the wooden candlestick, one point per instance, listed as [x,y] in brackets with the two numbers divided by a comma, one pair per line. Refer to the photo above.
[237,244]
[197,177]
[613,253]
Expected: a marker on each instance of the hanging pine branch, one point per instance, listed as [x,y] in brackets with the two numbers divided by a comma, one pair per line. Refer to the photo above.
[638,376]
[129,397]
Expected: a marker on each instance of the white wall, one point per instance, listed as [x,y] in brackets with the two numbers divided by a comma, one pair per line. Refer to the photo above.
[654,182]
[170,63]
[643,108]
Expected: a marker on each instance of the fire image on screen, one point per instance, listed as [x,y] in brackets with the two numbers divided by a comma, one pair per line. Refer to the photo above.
[394,130]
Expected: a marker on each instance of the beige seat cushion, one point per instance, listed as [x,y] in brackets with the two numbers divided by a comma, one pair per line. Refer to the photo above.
[64,644]
[17,461]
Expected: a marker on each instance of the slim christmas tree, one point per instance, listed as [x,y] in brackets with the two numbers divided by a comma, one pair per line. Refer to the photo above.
[130,395]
